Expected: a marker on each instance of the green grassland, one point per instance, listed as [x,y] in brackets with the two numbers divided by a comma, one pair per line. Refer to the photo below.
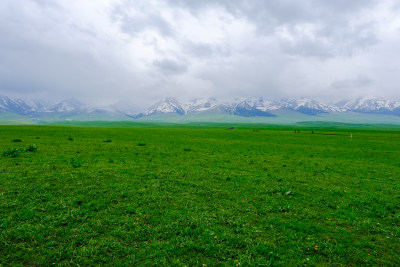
[197,195]
[282,117]
[285,117]
[11,118]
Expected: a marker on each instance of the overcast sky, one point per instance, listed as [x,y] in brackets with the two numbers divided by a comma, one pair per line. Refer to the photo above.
[103,51]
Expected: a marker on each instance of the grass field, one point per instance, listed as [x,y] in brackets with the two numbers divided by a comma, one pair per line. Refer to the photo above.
[196,196]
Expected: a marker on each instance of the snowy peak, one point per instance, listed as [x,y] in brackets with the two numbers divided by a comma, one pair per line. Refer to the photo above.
[309,106]
[259,103]
[252,107]
[247,107]
[17,105]
[198,105]
[35,107]
[165,105]
[370,105]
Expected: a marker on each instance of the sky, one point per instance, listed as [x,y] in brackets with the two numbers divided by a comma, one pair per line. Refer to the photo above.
[105,51]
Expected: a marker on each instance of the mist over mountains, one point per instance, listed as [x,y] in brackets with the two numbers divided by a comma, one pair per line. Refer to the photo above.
[245,107]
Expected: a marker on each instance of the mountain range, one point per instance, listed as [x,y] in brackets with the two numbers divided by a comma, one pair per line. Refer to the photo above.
[263,107]
[245,108]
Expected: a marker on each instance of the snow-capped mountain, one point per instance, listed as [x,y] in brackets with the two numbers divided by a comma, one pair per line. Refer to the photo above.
[245,107]
[164,106]
[371,105]
[252,107]
[309,106]
[35,107]
[260,103]
[199,105]
[16,106]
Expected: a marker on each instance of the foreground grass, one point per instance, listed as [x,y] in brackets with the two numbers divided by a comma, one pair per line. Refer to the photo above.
[148,196]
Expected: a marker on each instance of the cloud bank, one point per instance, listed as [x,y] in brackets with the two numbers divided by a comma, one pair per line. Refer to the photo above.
[111,50]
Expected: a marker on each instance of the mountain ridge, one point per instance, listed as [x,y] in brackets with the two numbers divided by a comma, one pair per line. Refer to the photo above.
[265,107]
[243,107]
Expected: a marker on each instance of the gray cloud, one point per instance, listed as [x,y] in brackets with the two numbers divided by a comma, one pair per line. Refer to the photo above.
[335,32]
[203,50]
[199,50]
[143,50]
[170,67]
[135,19]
